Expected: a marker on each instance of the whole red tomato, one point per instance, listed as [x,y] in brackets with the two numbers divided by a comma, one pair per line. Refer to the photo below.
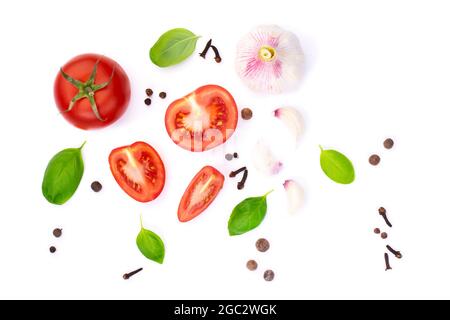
[92,91]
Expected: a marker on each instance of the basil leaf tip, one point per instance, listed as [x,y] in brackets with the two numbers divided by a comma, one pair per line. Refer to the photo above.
[247,215]
[63,175]
[150,245]
[337,166]
[173,47]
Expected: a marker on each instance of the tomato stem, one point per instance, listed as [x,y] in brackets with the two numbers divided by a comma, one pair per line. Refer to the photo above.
[87,89]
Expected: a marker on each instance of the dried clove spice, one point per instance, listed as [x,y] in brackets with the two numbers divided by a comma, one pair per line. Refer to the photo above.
[205,51]
[235,173]
[382,211]
[396,253]
[217,54]
[209,45]
[386,260]
[241,184]
[127,276]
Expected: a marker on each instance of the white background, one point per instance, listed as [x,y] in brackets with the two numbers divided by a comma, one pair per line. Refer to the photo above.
[373,69]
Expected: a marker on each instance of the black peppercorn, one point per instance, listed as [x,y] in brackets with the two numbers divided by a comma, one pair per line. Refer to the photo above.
[148,101]
[52,249]
[262,245]
[149,92]
[252,265]
[162,95]
[246,113]
[57,233]
[269,275]
[374,159]
[388,143]
[96,186]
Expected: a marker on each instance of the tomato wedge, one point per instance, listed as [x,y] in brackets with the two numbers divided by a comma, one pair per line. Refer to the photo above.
[200,193]
[203,119]
[139,171]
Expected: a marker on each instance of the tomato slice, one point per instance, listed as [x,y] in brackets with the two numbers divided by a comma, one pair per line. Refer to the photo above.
[203,119]
[200,193]
[139,171]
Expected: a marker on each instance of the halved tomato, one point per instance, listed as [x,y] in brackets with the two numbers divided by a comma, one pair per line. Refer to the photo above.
[203,119]
[200,193]
[139,171]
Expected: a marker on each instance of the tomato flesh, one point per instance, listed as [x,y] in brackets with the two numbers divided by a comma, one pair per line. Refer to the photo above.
[203,119]
[200,193]
[139,171]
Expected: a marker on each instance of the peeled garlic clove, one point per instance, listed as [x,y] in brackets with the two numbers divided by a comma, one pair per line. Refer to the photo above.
[293,120]
[270,59]
[265,161]
[295,195]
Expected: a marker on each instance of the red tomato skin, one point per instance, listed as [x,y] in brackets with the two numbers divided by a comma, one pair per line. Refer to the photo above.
[116,154]
[183,216]
[201,94]
[112,101]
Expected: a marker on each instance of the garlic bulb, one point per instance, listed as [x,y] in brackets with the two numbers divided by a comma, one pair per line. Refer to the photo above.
[292,119]
[270,59]
[264,160]
[295,195]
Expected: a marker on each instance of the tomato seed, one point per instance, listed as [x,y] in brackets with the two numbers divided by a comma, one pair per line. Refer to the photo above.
[162,95]
[148,101]
[246,113]
[252,265]
[96,186]
[388,143]
[262,245]
[269,275]
[149,92]
[374,159]
[57,232]
[52,249]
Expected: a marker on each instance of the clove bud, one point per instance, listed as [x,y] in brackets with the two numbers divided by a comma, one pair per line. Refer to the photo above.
[396,253]
[382,212]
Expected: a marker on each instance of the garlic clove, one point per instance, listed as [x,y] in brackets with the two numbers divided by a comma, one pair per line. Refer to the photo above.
[293,120]
[295,195]
[270,59]
[264,160]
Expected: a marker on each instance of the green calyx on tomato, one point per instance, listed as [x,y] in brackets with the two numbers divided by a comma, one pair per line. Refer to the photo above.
[87,89]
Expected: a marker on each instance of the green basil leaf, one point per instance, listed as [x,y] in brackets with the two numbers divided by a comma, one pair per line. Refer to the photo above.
[173,47]
[337,166]
[247,215]
[63,175]
[150,245]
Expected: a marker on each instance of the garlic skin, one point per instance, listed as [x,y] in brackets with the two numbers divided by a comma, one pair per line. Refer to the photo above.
[264,160]
[270,59]
[293,120]
[295,195]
